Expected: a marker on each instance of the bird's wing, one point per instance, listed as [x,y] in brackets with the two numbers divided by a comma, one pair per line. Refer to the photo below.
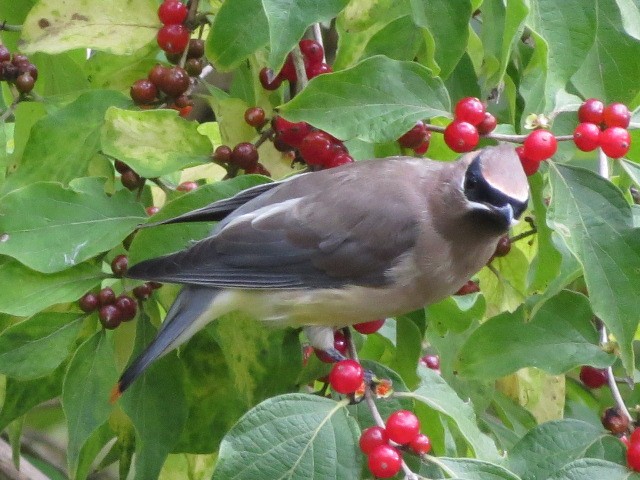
[316,231]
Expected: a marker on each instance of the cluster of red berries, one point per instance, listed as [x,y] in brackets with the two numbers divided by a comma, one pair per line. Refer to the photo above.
[470,120]
[17,69]
[316,148]
[604,127]
[314,65]
[417,138]
[174,36]
[379,444]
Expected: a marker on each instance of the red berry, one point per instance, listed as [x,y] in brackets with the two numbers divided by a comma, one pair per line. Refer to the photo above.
[424,145]
[591,111]
[142,292]
[367,328]
[633,456]
[25,83]
[245,155]
[488,124]
[540,145]
[110,316]
[196,48]
[431,361]
[470,110]
[503,247]
[586,136]
[635,436]
[316,148]
[616,115]
[29,68]
[468,288]
[5,55]
[268,80]
[157,74]
[371,438]
[254,116]
[314,70]
[175,82]
[106,296]
[615,142]
[187,186]
[288,71]
[402,426]
[421,444]
[384,461]
[173,38]
[338,160]
[121,167]
[183,101]
[461,136]
[152,210]
[194,66]
[414,137]
[172,12]
[528,165]
[222,154]
[143,92]
[127,306]
[131,180]
[614,421]
[593,377]
[289,132]
[346,376]
[119,265]
[339,343]
[312,51]
[89,302]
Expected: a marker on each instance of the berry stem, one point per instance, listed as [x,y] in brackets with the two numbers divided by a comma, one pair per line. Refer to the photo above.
[611,380]
[264,136]
[10,109]
[317,36]
[522,235]
[298,63]
[603,164]
[499,136]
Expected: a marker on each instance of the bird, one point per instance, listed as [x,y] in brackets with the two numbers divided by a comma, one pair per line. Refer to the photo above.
[328,249]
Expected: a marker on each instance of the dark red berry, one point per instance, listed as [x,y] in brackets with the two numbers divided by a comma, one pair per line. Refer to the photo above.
[172,12]
[121,167]
[89,302]
[258,169]
[503,247]
[431,361]
[528,165]
[616,115]
[312,51]
[9,71]
[424,146]
[470,110]
[384,461]
[245,155]
[157,74]
[468,288]
[187,186]
[289,132]
[25,83]
[288,71]
[173,38]
[461,136]
[268,80]
[314,70]
[131,180]
[338,160]
[173,58]
[5,55]
[633,456]
[421,444]
[110,316]
[586,136]
[183,101]
[615,142]
[339,343]
[591,111]
[196,48]
[402,426]
[414,137]
[194,66]
[142,292]
[222,154]
[119,265]
[346,376]
[19,59]
[152,210]
[143,92]
[540,145]
[254,116]
[371,438]
[367,328]
[316,148]
[593,377]
[175,82]
[127,306]
[29,68]
[488,124]
[614,421]
[106,296]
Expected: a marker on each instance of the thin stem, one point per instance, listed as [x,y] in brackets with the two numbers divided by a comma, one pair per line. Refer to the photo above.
[10,28]
[317,36]
[522,235]
[264,136]
[10,109]
[504,137]
[603,164]
[8,470]
[163,186]
[298,63]
[611,380]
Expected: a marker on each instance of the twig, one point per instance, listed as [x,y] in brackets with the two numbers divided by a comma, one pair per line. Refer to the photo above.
[298,64]
[499,136]
[611,380]
[603,164]
[522,235]
[264,136]
[10,472]
[10,28]
[317,36]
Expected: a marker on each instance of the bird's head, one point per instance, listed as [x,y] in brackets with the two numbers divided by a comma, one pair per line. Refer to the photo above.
[495,186]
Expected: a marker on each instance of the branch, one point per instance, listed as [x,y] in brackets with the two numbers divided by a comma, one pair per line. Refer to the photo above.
[504,137]
[9,471]
[317,36]
[10,28]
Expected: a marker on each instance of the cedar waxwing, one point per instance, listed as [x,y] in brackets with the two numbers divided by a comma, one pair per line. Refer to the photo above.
[321,250]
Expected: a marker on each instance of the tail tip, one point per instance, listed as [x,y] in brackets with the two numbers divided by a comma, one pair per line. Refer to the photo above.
[116,393]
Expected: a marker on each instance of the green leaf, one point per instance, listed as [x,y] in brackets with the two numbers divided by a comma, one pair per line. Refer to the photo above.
[85,393]
[448,24]
[377,100]
[27,292]
[35,347]
[14,13]
[62,144]
[64,227]
[231,41]
[546,449]
[54,27]
[292,436]
[558,338]
[159,388]
[288,20]
[59,74]
[153,142]
[471,469]
[590,468]
[438,395]
[118,72]
[595,221]
[399,40]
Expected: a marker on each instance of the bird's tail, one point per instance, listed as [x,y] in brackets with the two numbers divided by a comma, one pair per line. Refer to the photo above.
[193,309]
